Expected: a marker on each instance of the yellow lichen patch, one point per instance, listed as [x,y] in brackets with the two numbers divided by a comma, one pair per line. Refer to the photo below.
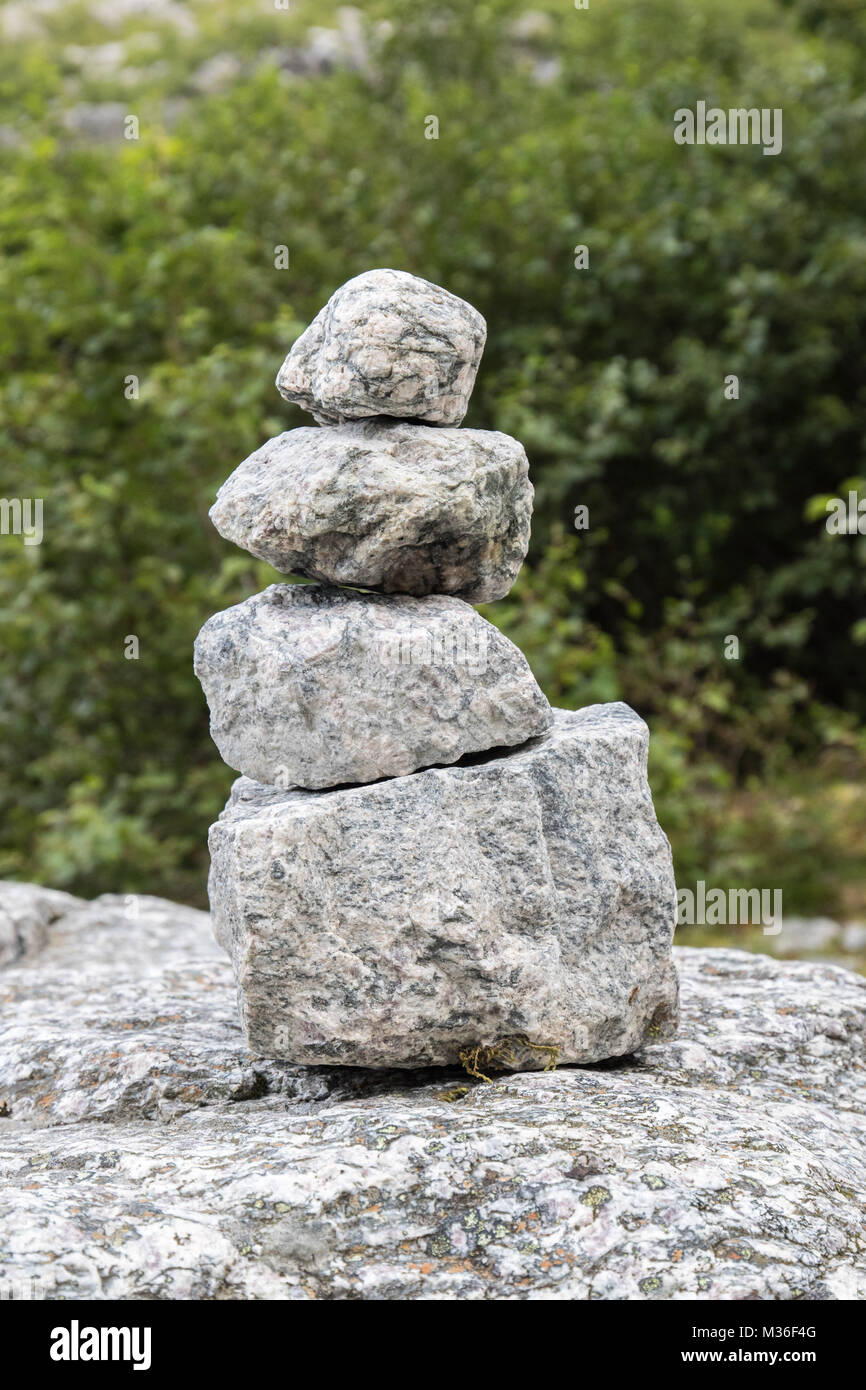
[504,1055]
[456,1093]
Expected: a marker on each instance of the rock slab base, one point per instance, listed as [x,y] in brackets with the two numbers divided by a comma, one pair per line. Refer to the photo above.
[145,1155]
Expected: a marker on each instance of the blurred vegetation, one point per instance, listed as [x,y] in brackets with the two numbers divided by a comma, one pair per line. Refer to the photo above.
[155,258]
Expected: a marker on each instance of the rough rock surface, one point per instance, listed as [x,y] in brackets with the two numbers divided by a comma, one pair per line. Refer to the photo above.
[311,686]
[387,343]
[409,509]
[26,913]
[530,893]
[144,1154]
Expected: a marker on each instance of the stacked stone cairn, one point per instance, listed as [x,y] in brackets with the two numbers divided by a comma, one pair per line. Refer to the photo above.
[422,863]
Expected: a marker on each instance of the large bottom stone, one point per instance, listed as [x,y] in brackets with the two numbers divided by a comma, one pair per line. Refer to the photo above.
[526,895]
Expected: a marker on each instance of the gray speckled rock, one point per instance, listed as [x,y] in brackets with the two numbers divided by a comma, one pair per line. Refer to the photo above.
[387,343]
[311,686]
[126,1013]
[26,913]
[396,924]
[144,1154]
[408,509]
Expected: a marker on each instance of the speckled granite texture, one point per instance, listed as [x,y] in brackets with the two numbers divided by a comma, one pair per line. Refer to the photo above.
[311,686]
[528,893]
[387,343]
[379,504]
[144,1154]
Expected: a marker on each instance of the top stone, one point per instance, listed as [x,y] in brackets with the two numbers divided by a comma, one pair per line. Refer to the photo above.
[386,343]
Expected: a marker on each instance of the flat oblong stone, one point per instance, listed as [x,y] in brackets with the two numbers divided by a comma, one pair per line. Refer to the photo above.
[406,509]
[387,343]
[527,895]
[311,686]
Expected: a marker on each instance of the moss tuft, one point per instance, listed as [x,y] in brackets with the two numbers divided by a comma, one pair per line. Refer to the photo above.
[504,1055]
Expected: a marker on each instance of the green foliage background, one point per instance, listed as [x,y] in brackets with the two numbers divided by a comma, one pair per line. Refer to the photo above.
[156,258]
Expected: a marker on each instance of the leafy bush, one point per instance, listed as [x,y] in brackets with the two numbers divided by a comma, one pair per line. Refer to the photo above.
[155,258]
